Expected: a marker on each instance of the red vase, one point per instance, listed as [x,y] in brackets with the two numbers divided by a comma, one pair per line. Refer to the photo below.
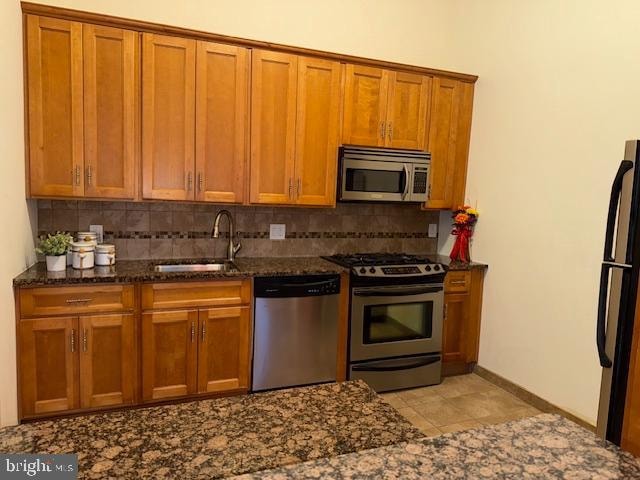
[460,251]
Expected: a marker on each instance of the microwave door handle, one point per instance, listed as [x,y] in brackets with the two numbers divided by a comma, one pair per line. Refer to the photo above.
[406,181]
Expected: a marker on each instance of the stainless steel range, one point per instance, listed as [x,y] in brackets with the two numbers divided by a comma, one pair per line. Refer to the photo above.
[395,327]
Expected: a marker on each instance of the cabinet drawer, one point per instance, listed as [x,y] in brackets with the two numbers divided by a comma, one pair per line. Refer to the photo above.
[457,282]
[196,294]
[46,301]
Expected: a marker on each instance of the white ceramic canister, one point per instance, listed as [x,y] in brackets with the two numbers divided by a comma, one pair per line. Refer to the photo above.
[105,254]
[83,254]
[90,237]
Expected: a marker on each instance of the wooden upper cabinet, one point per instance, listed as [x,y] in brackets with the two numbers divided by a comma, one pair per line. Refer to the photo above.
[223,351]
[317,131]
[448,141]
[169,354]
[54,89]
[365,104]
[222,115]
[407,110]
[48,365]
[107,360]
[168,116]
[273,116]
[111,106]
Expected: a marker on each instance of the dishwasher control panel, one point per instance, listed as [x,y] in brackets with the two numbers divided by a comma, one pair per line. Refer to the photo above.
[296,286]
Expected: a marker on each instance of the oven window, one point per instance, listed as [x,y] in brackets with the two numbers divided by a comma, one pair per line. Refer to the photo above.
[383,181]
[397,321]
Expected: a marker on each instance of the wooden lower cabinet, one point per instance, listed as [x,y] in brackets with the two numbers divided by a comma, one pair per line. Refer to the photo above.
[195,351]
[461,329]
[107,360]
[67,363]
[223,350]
[48,365]
[169,351]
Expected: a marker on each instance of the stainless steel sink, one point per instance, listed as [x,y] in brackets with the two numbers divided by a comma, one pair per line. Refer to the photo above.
[197,267]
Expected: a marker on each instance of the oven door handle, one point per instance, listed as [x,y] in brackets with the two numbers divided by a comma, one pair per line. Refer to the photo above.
[395,367]
[396,292]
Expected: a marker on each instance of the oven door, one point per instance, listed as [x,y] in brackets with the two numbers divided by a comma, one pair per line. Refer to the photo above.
[375,180]
[394,321]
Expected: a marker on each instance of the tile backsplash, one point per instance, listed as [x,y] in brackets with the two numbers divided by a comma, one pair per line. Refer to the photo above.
[181,230]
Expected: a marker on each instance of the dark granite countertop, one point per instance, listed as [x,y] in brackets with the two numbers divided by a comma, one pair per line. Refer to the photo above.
[457,265]
[126,271]
[541,447]
[220,437]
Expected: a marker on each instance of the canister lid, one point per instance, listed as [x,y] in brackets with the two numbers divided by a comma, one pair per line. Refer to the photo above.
[82,247]
[105,248]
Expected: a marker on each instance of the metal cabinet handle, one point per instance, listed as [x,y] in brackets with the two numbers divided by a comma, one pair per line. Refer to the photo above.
[204,330]
[72,340]
[390,131]
[429,193]
[189,181]
[382,130]
[193,332]
[290,189]
[446,306]
[457,282]
[78,300]
[77,175]
[299,189]
[200,181]
[84,339]
[89,174]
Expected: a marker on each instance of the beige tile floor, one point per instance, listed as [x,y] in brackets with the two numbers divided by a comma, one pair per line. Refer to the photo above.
[458,403]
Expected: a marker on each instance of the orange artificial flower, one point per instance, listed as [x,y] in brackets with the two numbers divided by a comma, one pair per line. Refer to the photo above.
[461,218]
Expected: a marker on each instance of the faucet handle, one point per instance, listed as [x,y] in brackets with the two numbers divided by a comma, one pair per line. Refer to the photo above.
[237,246]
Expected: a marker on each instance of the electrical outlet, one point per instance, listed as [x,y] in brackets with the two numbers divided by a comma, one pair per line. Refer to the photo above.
[99,231]
[433,230]
[277,231]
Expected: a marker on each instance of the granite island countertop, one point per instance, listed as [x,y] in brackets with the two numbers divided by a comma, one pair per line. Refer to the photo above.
[129,271]
[541,447]
[219,437]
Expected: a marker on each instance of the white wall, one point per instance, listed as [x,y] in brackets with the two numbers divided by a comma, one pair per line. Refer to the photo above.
[559,93]
[557,97]
[16,242]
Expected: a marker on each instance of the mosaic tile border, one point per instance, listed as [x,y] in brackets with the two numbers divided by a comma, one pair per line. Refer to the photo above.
[122,235]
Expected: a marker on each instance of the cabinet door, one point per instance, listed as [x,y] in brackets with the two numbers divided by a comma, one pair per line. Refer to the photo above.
[168,116]
[107,360]
[54,89]
[407,109]
[169,354]
[223,353]
[111,94]
[222,113]
[317,131]
[449,132]
[273,116]
[48,365]
[456,313]
[365,104]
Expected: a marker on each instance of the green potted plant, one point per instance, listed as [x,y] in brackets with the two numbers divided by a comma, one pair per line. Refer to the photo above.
[54,248]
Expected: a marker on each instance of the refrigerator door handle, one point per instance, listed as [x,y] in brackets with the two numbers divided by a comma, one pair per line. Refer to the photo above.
[616,190]
[601,326]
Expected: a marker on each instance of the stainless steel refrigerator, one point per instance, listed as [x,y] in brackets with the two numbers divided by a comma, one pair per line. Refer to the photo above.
[618,293]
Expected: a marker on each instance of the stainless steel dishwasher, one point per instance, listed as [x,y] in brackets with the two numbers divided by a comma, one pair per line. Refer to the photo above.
[295,337]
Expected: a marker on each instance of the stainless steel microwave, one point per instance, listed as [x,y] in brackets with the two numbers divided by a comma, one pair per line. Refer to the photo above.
[383,175]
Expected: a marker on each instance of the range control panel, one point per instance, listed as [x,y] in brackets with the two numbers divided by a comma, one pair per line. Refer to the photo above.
[398,270]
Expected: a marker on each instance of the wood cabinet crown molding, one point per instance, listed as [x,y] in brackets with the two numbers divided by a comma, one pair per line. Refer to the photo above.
[151,27]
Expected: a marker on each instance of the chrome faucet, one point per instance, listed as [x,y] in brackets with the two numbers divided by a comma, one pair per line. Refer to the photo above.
[232,248]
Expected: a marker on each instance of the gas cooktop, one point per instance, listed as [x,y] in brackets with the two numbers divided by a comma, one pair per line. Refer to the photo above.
[387,264]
